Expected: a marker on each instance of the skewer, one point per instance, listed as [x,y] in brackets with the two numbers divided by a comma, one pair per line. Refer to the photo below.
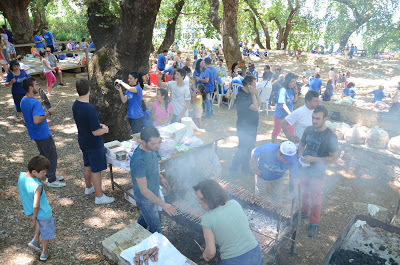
[198,245]
[58,103]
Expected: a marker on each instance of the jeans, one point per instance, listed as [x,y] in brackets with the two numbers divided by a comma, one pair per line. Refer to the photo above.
[5,55]
[209,104]
[136,125]
[252,257]
[47,148]
[247,141]
[148,215]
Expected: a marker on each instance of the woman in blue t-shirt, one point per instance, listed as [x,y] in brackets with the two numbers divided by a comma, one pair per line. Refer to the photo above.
[198,71]
[134,97]
[14,79]
[287,95]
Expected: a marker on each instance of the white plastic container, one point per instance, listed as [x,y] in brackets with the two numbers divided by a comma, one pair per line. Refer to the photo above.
[174,131]
[113,147]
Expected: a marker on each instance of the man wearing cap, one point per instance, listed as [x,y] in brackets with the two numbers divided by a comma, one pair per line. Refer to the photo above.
[301,118]
[271,161]
[318,147]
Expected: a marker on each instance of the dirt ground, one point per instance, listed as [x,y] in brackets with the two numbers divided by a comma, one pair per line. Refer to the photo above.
[356,180]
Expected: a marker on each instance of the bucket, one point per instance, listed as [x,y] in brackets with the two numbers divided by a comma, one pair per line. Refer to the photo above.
[153,79]
[168,78]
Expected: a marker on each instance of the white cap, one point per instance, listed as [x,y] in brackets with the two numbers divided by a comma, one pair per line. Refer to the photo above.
[289,151]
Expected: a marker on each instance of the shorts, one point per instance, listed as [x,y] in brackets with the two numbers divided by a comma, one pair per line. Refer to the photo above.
[47,228]
[11,49]
[198,113]
[58,70]
[278,128]
[51,79]
[95,159]
[3,62]
[17,101]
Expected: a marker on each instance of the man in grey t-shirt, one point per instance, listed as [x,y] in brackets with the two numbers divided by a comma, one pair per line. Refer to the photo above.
[53,63]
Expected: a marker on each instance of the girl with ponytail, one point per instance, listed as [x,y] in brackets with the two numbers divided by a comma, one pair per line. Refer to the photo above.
[162,110]
[133,96]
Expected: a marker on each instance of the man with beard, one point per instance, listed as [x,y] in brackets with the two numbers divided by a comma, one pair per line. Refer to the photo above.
[36,122]
[146,180]
[318,147]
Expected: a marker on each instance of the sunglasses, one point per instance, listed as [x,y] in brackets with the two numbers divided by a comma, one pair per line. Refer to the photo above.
[48,51]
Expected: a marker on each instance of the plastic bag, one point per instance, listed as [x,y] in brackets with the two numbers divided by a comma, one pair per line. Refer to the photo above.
[356,135]
[377,138]
[394,145]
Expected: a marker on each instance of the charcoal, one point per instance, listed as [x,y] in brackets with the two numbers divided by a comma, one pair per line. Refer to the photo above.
[355,257]
[382,248]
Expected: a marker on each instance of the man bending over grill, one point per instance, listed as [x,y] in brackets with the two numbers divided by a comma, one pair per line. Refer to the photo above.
[225,224]
[318,147]
[146,180]
[270,162]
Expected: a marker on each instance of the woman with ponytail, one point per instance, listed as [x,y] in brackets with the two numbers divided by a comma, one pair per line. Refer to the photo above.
[162,110]
[133,96]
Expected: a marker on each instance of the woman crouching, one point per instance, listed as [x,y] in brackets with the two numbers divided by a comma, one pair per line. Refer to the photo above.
[225,224]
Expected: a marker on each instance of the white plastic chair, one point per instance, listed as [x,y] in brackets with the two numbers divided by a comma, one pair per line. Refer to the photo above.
[265,93]
[235,90]
[216,91]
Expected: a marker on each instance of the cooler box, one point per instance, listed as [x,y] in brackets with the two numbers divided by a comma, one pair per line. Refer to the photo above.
[168,78]
[153,79]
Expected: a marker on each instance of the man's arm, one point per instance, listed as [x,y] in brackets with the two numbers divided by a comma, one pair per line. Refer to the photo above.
[326,159]
[253,164]
[300,149]
[285,129]
[103,130]
[142,183]
[40,118]
[36,203]
[160,83]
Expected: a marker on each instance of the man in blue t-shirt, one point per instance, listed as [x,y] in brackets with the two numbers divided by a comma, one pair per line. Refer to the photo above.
[162,60]
[38,129]
[379,95]
[315,83]
[146,178]
[271,161]
[208,79]
[349,90]
[90,142]
[49,39]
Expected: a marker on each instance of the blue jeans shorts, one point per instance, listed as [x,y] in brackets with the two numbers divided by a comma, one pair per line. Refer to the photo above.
[47,228]
[96,159]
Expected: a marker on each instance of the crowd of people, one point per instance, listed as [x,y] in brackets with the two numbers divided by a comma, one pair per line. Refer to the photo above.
[309,148]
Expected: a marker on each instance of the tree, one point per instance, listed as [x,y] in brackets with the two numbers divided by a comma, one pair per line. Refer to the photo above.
[16,12]
[254,24]
[171,26]
[262,23]
[348,16]
[227,26]
[124,51]
[38,9]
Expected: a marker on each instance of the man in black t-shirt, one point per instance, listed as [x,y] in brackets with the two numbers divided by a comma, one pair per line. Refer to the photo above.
[247,103]
[318,147]
[89,138]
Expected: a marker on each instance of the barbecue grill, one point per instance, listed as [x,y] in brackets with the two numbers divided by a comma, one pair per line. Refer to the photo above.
[269,223]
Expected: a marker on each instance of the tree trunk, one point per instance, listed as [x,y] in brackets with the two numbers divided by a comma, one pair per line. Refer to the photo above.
[170,32]
[280,32]
[102,23]
[257,39]
[293,11]
[127,52]
[16,12]
[39,20]
[263,25]
[228,28]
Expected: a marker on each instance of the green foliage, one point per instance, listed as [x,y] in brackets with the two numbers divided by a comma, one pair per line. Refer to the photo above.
[373,18]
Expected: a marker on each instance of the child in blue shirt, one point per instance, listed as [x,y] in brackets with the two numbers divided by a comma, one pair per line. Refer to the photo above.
[36,205]
[378,94]
[349,90]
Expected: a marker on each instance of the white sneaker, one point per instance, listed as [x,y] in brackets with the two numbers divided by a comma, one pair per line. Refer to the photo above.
[59,178]
[103,199]
[56,184]
[89,190]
